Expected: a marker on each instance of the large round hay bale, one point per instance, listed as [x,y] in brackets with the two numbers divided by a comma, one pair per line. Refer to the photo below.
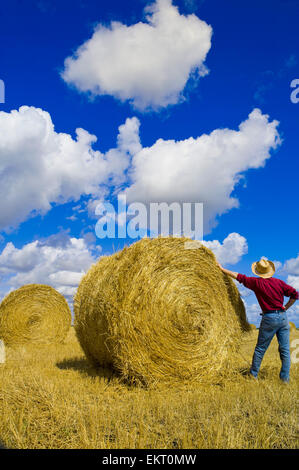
[34,313]
[292,326]
[156,311]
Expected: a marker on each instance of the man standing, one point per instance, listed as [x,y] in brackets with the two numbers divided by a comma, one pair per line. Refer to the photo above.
[270,293]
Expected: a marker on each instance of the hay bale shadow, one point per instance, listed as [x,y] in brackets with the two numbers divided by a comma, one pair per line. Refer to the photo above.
[84,367]
[2,446]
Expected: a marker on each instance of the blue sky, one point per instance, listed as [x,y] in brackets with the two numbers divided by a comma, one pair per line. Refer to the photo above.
[252,58]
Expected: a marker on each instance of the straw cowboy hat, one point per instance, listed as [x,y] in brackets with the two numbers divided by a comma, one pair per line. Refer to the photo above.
[263,268]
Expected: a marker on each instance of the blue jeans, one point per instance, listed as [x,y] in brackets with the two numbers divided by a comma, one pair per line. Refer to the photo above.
[271,324]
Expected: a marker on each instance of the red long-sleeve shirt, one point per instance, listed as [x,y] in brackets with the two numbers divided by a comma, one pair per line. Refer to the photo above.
[269,292]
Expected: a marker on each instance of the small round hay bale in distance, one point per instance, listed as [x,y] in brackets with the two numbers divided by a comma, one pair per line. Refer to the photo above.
[157,312]
[34,313]
[292,326]
[253,326]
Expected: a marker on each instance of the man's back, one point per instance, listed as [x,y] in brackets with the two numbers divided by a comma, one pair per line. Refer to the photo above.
[270,292]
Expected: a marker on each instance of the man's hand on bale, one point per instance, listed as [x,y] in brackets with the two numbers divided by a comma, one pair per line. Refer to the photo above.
[227,271]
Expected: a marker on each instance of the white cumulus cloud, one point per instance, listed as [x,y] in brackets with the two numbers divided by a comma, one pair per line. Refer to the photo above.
[291,267]
[231,250]
[57,261]
[204,169]
[293,281]
[148,63]
[39,166]
[253,312]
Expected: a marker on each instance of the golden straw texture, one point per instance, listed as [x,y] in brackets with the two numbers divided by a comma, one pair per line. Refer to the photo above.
[157,312]
[292,325]
[34,313]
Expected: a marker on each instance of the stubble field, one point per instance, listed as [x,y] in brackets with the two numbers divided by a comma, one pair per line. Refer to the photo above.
[50,397]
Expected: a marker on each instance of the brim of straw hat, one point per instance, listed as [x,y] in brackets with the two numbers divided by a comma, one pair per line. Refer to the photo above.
[265,275]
